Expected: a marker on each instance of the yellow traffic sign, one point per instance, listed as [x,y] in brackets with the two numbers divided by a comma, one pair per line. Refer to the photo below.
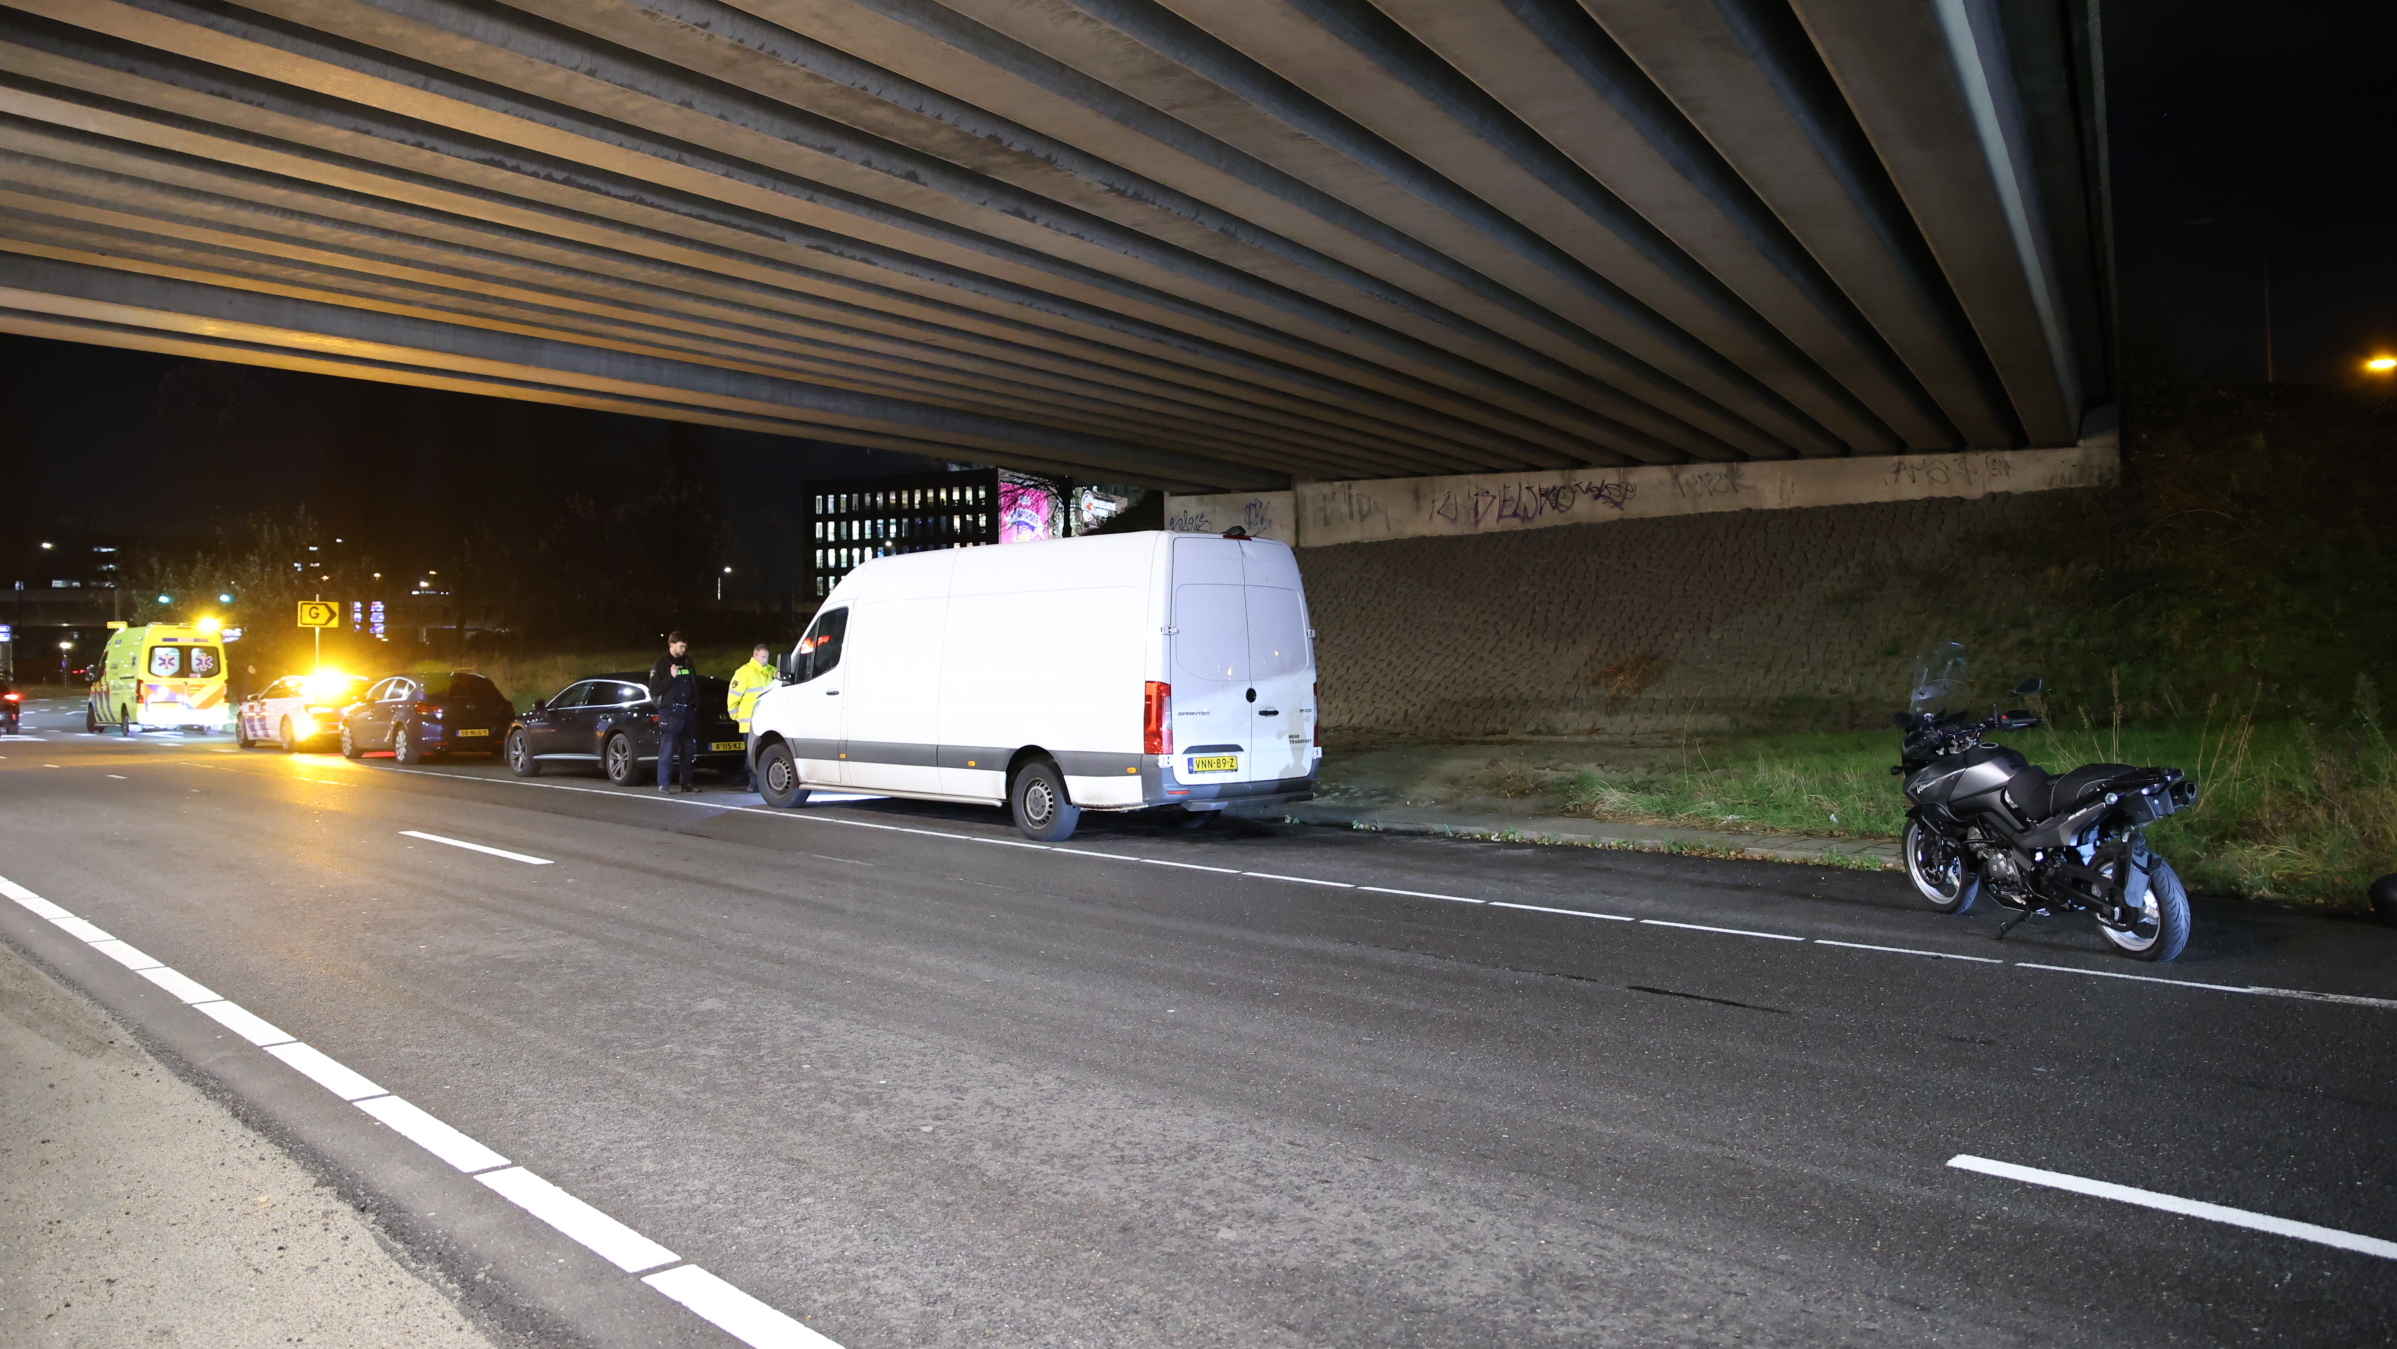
[320,614]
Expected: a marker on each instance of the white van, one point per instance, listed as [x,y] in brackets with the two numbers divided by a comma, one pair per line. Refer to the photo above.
[1116,672]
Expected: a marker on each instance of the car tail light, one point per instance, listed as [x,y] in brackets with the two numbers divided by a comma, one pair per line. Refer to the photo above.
[1315,696]
[13,696]
[1157,719]
[428,709]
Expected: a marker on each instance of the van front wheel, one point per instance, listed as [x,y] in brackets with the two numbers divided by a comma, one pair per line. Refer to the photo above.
[778,777]
[1038,801]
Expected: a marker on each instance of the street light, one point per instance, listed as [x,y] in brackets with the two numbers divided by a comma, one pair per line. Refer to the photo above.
[166,599]
[49,545]
[224,598]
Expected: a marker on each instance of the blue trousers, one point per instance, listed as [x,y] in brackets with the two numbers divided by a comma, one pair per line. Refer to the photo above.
[678,752]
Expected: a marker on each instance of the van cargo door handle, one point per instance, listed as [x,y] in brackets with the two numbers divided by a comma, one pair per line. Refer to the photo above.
[832,693]
[1269,711]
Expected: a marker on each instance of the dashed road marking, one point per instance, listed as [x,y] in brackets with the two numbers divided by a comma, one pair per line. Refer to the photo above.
[477,847]
[2169,1203]
[1908,951]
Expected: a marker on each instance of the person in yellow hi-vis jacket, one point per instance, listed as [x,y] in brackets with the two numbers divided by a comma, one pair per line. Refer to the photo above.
[747,683]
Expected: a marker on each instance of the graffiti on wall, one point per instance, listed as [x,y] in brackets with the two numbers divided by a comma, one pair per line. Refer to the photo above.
[1027,512]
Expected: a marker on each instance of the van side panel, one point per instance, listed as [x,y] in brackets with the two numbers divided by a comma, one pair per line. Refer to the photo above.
[890,723]
[1048,646]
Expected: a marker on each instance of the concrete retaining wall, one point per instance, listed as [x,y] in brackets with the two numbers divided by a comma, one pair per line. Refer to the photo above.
[1803,618]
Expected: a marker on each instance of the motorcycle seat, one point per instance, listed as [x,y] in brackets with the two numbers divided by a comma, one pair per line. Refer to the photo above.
[2039,796]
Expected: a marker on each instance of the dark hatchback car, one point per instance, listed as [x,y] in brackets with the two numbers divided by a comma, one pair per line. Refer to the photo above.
[610,720]
[418,715]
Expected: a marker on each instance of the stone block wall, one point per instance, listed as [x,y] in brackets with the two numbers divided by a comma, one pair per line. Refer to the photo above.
[1805,619]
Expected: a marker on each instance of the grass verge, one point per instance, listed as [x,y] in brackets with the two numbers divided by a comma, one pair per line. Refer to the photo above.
[2289,811]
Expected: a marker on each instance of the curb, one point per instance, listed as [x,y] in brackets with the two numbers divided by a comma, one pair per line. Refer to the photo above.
[1852,854]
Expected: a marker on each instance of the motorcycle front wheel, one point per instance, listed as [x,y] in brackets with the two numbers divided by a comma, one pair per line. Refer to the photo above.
[1938,871]
[2162,928]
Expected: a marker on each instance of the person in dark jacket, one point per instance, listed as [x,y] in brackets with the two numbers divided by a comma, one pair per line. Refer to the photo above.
[672,681]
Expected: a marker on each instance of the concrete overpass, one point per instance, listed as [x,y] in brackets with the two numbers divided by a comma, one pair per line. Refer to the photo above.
[1200,244]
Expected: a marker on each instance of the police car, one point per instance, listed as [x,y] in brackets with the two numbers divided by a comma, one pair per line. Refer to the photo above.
[298,711]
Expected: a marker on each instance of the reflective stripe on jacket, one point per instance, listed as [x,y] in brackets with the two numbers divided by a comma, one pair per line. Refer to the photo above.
[747,683]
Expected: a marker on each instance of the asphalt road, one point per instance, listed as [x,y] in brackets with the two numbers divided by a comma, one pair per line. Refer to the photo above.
[889,1071]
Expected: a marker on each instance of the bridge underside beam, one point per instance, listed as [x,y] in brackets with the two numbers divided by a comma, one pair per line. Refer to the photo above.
[1196,243]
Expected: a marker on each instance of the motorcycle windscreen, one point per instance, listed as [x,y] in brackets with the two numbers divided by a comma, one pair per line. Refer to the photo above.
[1938,679]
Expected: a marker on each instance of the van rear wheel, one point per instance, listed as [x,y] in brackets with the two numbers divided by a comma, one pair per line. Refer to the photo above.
[1038,801]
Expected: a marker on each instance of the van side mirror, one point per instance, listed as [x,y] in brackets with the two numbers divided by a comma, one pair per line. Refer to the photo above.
[2028,687]
[783,668]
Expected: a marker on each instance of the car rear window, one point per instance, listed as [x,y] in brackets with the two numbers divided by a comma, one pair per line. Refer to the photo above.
[470,688]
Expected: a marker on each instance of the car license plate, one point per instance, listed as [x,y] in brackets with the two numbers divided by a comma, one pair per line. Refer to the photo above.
[475,731]
[1215,763]
[728,745]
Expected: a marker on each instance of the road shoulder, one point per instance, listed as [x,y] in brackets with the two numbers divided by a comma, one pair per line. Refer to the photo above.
[135,1210]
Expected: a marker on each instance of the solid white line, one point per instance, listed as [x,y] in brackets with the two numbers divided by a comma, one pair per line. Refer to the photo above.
[127,955]
[1907,951]
[432,1135]
[1190,866]
[2192,1208]
[1420,894]
[76,927]
[611,1240]
[734,1312]
[1298,880]
[2138,978]
[119,777]
[247,1024]
[1542,908]
[2349,998]
[181,985]
[1087,852]
[476,847]
[1730,931]
[326,1071]
[40,906]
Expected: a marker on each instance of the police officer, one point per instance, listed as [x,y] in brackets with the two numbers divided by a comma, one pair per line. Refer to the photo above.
[741,698]
[673,682]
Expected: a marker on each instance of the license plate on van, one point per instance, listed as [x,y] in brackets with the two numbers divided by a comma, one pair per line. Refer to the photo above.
[1215,763]
[725,745]
[476,731]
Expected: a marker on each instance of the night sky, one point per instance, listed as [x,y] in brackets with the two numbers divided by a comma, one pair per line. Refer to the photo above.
[2245,137]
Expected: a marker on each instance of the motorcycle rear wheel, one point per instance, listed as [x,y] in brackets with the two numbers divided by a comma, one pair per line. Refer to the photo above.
[2163,927]
[1949,886]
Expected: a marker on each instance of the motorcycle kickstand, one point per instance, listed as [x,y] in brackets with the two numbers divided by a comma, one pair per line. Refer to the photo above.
[2012,923]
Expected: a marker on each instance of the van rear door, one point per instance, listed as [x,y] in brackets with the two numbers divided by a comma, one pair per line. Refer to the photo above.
[1281,663]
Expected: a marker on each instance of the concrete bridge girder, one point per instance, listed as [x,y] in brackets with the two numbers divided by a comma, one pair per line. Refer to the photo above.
[1188,241]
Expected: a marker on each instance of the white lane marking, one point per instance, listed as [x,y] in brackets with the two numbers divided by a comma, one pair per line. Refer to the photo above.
[329,782]
[734,1312]
[2347,998]
[40,906]
[76,927]
[609,1239]
[326,1071]
[247,1024]
[1299,880]
[1194,866]
[128,955]
[1091,852]
[1542,908]
[1411,894]
[2137,978]
[1728,931]
[704,1294]
[1907,951]
[119,777]
[2192,1208]
[435,1137]
[476,847]
[2253,990]
[181,985]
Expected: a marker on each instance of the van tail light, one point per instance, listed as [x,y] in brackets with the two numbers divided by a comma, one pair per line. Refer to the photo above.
[1157,719]
[1315,696]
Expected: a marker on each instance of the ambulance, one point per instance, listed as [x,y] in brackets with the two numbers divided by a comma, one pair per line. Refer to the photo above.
[161,676]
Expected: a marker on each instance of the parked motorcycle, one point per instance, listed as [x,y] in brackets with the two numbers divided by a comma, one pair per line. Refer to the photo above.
[12,704]
[1982,818]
